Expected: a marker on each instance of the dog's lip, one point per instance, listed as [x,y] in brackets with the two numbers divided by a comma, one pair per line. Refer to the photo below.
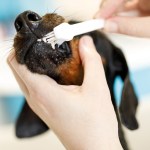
[25,50]
[63,48]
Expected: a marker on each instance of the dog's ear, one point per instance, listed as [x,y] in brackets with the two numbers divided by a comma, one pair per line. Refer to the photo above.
[29,124]
[129,101]
[128,105]
[117,65]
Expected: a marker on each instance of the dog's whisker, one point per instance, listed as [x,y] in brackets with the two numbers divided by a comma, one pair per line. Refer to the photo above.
[5,54]
[4,46]
[9,39]
[56,10]
[6,42]
[5,50]
[47,8]
[71,16]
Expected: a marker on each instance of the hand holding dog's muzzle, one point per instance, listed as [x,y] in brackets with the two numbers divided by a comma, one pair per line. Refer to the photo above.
[85,117]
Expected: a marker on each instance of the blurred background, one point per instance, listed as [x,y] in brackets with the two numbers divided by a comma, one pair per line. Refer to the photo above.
[136,50]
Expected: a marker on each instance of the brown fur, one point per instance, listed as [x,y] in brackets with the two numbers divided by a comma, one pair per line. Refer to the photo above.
[71,71]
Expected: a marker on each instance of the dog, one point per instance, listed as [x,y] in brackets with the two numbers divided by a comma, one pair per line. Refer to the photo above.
[63,64]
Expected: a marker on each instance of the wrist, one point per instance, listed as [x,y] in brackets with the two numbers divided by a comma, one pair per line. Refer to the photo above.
[112,144]
[109,144]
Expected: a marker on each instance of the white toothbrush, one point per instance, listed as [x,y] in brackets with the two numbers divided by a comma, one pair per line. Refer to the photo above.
[66,32]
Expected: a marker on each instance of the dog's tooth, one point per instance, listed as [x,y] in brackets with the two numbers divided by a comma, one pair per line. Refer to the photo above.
[39,40]
[53,45]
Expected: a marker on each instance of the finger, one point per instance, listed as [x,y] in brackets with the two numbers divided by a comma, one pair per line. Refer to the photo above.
[92,64]
[108,8]
[19,80]
[31,80]
[144,5]
[131,26]
[43,91]
[129,6]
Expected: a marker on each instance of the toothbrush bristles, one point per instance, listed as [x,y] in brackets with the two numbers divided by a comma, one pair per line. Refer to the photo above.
[53,44]
[49,38]
[49,35]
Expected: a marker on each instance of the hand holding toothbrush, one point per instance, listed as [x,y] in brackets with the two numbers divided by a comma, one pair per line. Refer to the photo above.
[135,23]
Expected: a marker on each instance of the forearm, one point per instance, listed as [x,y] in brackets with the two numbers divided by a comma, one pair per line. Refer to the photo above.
[90,143]
[98,145]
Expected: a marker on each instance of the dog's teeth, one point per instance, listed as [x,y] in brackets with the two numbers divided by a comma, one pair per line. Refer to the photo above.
[50,35]
[53,45]
[39,40]
[50,40]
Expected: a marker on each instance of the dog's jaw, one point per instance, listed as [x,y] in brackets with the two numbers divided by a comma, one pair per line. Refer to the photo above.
[62,63]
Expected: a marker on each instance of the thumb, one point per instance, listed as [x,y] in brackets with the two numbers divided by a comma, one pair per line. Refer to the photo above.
[131,26]
[92,64]
[108,8]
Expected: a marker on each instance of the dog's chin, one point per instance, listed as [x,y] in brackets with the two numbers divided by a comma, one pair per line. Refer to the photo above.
[42,58]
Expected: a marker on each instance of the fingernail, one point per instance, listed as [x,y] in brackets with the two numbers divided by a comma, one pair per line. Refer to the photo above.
[86,44]
[111,26]
[86,41]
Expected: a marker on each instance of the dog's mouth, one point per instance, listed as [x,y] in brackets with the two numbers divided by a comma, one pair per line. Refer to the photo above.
[38,56]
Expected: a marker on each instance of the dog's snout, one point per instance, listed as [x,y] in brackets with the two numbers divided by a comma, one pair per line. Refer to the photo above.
[26,20]
[18,24]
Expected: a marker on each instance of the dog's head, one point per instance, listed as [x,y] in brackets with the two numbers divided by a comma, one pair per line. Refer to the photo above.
[63,62]
[39,56]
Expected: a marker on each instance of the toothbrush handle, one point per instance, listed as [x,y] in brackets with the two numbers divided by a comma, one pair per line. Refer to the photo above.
[87,26]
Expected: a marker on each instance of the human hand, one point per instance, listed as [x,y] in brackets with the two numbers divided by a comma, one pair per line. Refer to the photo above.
[136,21]
[83,116]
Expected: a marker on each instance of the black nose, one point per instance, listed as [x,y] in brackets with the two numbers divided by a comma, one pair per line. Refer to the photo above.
[27,20]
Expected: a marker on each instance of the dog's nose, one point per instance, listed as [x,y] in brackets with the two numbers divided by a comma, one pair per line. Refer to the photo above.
[27,20]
